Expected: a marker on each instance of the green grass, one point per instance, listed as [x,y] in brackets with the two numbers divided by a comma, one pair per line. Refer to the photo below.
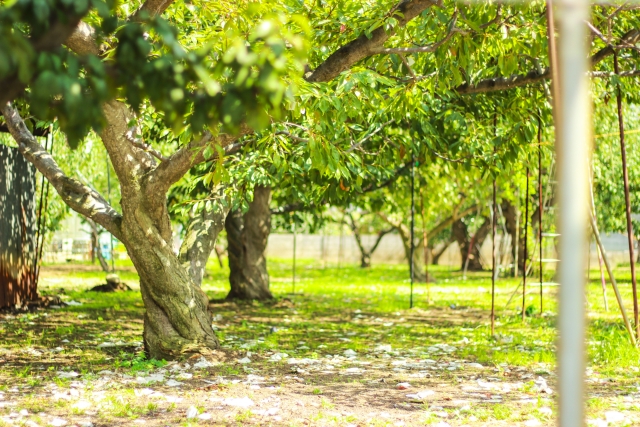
[348,300]
[332,310]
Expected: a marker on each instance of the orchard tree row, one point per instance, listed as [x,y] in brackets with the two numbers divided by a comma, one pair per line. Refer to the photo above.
[224,114]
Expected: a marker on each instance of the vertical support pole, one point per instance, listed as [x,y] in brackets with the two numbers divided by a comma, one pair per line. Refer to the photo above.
[412,231]
[540,208]
[627,203]
[573,136]
[526,254]
[516,240]
[425,244]
[41,236]
[113,268]
[295,238]
[494,219]
[340,241]
[324,264]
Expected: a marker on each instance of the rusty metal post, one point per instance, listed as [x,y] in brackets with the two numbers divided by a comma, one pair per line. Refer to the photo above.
[627,203]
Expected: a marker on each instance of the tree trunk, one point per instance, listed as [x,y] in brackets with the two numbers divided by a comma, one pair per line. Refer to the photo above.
[200,238]
[418,257]
[509,211]
[465,241]
[96,250]
[247,237]
[437,254]
[177,320]
[365,256]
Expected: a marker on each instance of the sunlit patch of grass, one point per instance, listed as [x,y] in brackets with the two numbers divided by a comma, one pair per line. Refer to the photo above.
[501,411]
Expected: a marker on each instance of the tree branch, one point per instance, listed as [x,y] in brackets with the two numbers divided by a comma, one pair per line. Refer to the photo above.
[152,8]
[364,46]
[447,222]
[78,196]
[503,83]
[421,49]
[83,40]
[169,171]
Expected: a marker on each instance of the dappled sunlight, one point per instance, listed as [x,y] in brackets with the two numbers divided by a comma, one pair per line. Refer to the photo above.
[344,349]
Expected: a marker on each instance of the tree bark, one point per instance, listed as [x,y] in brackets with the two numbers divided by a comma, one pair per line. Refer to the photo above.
[177,321]
[366,254]
[247,237]
[418,258]
[200,238]
[461,234]
[437,254]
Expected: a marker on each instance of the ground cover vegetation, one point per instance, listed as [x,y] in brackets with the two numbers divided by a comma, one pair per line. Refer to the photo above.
[334,353]
[236,118]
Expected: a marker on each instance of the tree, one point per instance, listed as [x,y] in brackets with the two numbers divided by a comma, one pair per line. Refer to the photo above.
[137,80]
[356,227]
[177,320]
[247,236]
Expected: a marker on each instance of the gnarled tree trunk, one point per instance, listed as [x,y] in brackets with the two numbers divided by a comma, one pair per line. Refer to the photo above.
[247,237]
[177,320]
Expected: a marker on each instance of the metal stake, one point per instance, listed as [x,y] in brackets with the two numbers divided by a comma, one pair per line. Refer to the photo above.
[627,203]
[413,211]
[526,236]
[493,260]
[295,236]
[541,205]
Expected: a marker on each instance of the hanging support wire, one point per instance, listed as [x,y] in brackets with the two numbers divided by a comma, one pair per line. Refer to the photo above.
[494,223]
[340,241]
[625,178]
[527,269]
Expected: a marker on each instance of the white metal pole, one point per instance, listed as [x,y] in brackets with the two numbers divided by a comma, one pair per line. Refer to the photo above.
[573,136]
